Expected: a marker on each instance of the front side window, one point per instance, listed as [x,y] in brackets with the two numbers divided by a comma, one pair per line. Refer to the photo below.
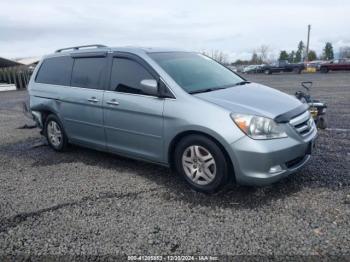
[55,71]
[127,75]
[89,72]
[195,72]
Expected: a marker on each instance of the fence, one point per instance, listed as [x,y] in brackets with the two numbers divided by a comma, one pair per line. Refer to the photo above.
[18,75]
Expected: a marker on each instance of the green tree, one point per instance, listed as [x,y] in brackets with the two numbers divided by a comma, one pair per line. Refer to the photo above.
[328,53]
[311,55]
[291,57]
[283,55]
[240,62]
[255,58]
[300,52]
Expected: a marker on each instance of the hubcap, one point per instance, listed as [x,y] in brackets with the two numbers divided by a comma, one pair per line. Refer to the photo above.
[54,133]
[199,165]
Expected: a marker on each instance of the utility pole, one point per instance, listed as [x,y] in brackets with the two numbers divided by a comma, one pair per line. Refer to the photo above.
[307,43]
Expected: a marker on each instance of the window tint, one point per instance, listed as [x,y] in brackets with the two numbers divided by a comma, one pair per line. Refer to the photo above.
[127,75]
[88,72]
[56,71]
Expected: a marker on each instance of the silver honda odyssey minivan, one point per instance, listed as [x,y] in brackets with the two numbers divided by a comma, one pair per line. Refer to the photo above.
[175,108]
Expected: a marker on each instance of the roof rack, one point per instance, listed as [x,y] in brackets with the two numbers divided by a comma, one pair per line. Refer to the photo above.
[78,47]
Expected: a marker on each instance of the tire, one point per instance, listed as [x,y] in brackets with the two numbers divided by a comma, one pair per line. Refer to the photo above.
[324,70]
[297,70]
[54,133]
[322,123]
[267,72]
[193,162]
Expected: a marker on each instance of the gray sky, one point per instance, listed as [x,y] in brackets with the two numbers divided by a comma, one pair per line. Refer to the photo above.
[34,28]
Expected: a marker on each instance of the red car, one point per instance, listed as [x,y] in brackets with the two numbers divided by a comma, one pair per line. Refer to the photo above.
[335,65]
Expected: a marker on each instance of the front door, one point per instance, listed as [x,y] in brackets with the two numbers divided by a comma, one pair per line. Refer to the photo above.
[133,121]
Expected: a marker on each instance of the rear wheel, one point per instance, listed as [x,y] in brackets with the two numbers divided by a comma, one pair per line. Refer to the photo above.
[267,72]
[55,134]
[324,70]
[202,163]
[297,70]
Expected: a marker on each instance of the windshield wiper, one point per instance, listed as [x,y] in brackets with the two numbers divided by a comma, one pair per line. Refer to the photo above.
[218,88]
[206,90]
[242,83]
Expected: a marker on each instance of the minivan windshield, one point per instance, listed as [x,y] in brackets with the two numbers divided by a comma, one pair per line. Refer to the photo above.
[196,73]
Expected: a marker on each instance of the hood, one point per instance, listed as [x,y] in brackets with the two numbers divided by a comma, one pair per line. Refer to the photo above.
[252,99]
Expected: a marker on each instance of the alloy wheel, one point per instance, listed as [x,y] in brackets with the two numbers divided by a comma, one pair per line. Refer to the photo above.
[54,133]
[199,165]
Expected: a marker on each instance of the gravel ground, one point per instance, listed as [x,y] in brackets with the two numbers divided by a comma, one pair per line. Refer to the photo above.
[85,202]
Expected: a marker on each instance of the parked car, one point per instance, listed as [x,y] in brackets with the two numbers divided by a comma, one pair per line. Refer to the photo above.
[283,66]
[315,64]
[178,109]
[232,68]
[253,69]
[335,65]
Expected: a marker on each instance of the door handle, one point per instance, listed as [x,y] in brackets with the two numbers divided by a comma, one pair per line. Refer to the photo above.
[113,102]
[93,100]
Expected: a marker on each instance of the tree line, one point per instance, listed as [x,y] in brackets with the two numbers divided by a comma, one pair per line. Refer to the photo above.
[300,54]
[263,55]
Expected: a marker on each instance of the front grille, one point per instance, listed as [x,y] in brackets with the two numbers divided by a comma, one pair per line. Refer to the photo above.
[303,124]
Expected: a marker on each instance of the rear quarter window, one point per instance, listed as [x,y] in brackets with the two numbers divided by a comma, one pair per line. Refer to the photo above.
[55,71]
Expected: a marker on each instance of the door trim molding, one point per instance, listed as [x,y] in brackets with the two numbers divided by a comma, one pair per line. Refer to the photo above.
[132,132]
[82,122]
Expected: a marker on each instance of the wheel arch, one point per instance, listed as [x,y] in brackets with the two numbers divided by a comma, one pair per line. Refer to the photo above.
[45,108]
[45,114]
[181,135]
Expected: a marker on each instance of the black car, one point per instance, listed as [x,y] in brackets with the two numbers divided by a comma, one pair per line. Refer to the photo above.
[283,66]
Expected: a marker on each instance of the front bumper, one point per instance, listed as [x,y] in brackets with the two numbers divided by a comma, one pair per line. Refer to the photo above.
[262,162]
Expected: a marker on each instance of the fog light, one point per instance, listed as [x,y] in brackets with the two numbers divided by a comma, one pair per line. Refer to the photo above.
[275,169]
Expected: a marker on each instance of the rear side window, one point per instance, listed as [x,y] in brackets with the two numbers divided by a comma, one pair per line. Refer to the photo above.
[55,71]
[127,75]
[89,72]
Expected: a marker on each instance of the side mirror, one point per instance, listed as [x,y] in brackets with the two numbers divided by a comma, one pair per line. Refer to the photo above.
[149,87]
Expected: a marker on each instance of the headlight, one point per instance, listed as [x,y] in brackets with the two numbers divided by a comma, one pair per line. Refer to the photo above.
[258,127]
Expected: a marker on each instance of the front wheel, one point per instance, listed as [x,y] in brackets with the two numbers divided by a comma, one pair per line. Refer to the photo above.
[55,134]
[322,123]
[202,163]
